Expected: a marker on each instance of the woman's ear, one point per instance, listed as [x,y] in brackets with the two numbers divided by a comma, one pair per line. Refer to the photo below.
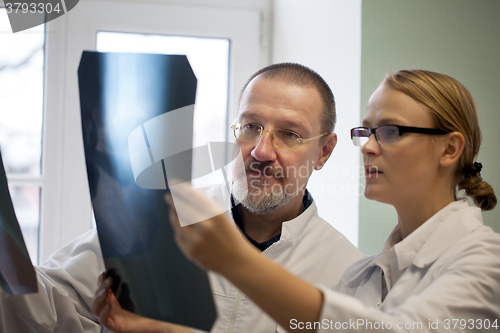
[453,146]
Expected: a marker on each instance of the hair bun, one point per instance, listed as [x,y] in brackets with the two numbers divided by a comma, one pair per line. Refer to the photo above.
[473,170]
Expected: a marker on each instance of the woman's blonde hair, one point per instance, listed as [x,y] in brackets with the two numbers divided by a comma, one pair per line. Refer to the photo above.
[453,110]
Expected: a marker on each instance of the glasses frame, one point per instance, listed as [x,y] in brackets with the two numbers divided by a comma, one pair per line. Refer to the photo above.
[401,129]
[300,140]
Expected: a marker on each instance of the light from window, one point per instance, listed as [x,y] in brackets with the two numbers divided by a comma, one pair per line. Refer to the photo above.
[21,115]
[209,58]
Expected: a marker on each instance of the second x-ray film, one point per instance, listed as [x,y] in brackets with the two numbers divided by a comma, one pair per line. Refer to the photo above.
[17,275]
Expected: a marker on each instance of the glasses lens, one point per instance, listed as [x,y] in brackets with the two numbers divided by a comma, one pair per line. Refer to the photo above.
[360,136]
[247,132]
[387,134]
[286,139]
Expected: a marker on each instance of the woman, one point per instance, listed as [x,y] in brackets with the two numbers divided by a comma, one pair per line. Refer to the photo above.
[440,267]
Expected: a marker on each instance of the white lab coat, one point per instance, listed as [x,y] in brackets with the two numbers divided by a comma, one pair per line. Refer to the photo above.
[309,247]
[445,271]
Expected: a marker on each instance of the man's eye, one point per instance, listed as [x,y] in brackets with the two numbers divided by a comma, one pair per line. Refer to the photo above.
[289,134]
[251,127]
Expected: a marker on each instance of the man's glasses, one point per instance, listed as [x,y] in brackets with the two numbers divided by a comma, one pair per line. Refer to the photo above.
[388,134]
[280,138]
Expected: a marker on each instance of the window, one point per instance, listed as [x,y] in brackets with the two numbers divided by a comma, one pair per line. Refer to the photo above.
[21,115]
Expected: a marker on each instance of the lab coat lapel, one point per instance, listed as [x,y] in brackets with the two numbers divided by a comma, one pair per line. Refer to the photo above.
[452,229]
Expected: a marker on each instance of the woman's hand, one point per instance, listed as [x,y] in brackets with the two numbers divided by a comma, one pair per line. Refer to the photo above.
[213,243]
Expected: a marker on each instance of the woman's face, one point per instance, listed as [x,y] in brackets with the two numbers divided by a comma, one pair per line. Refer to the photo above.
[403,172]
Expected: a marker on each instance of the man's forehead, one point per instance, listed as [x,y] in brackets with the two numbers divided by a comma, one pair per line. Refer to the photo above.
[279,89]
[299,105]
[255,81]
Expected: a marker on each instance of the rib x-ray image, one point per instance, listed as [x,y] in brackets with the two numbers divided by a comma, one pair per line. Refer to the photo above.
[136,112]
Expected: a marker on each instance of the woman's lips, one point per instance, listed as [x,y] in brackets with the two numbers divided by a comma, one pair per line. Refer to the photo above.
[372,172]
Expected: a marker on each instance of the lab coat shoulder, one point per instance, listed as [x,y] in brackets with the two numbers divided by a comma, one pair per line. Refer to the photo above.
[313,249]
[323,240]
[466,278]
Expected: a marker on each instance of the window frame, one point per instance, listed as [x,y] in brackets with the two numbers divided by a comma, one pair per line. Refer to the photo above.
[65,204]
[27,180]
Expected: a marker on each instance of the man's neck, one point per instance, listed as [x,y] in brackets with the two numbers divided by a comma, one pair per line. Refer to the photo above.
[262,227]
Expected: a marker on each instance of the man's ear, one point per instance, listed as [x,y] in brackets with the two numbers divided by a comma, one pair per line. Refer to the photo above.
[329,142]
[453,146]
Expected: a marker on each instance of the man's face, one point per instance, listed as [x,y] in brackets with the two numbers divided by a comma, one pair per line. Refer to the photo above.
[275,176]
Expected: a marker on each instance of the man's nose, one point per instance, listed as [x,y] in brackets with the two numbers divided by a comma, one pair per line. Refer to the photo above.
[264,149]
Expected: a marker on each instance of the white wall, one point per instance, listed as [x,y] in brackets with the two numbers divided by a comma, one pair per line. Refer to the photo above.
[455,37]
[325,35]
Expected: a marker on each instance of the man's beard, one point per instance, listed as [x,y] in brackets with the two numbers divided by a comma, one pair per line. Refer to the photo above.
[254,197]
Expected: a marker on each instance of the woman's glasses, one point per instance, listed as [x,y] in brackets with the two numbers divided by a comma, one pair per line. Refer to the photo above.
[388,134]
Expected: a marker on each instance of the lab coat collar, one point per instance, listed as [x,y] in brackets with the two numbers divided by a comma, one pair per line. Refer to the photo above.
[404,252]
[292,229]
[458,220]
[442,236]
[378,260]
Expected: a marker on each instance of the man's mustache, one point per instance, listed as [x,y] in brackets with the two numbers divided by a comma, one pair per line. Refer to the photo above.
[265,169]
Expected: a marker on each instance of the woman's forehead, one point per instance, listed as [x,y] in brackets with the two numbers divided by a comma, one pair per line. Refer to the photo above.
[388,105]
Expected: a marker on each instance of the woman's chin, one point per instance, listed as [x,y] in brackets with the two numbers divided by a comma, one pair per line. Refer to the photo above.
[372,193]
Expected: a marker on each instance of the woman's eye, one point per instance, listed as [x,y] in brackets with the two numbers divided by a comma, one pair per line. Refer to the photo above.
[393,131]
[389,131]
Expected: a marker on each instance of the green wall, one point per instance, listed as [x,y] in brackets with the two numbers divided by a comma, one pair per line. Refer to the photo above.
[460,38]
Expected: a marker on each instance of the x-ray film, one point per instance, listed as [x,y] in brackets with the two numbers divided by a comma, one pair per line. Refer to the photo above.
[17,275]
[136,111]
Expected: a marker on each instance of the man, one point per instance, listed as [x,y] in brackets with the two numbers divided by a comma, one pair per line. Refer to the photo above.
[284,129]
[278,105]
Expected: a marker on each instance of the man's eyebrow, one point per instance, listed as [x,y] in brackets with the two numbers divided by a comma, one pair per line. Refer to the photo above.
[296,126]
[248,114]
[293,125]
